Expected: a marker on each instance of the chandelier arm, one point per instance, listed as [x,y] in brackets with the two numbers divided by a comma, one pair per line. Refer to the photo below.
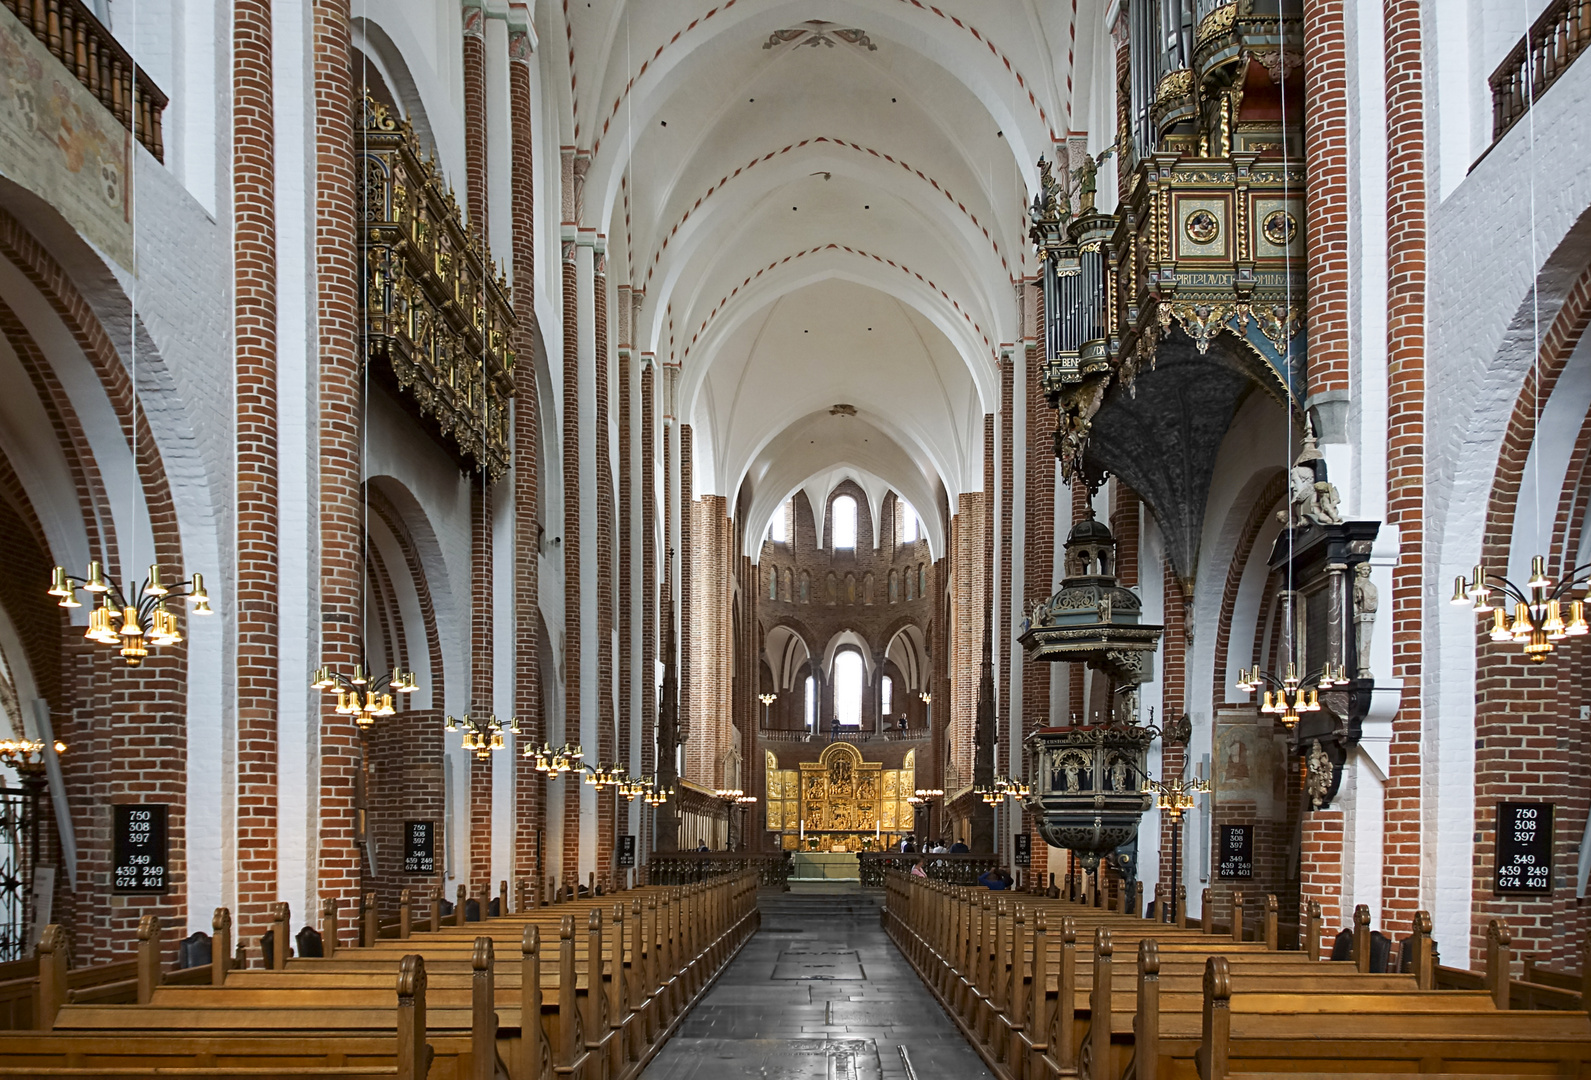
[1510,589]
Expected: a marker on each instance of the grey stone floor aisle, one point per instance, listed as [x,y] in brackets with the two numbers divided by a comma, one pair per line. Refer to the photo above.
[820,993]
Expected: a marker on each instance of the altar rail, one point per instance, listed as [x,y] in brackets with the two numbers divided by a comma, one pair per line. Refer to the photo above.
[689,867]
[1559,35]
[955,869]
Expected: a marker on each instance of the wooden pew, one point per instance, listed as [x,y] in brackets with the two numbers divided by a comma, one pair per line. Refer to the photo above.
[1081,1009]
[601,1012]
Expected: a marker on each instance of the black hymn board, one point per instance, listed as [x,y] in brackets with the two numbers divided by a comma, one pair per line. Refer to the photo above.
[138,848]
[1237,851]
[1524,848]
[626,851]
[1024,849]
[419,847]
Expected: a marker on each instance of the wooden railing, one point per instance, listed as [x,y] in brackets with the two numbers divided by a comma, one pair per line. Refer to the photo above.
[887,735]
[955,869]
[88,50]
[689,867]
[1558,36]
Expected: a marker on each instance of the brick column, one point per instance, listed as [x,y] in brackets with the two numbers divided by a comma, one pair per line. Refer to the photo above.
[256,586]
[1326,192]
[530,791]
[481,676]
[606,721]
[475,118]
[571,524]
[1005,618]
[1406,187]
[1173,703]
[1321,869]
[1002,745]
[627,570]
[649,585]
[340,403]
[1039,550]
[686,575]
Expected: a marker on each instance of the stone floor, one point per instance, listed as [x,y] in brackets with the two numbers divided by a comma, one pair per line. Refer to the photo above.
[819,994]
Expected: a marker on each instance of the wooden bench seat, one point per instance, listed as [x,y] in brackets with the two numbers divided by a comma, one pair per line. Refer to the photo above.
[607,994]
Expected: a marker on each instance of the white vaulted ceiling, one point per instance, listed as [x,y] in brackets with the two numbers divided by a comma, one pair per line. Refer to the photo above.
[825,204]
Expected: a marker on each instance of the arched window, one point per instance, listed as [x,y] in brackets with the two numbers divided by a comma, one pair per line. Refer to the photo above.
[812,703]
[908,520]
[842,524]
[886,702]
[773,584]
[911,583]
[778,530]
[849,681]
[806,587]
[922,581]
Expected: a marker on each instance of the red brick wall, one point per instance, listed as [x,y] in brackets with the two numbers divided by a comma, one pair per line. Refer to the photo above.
[1005,619]
[649,584]
[1039,549]
[1173,703]
[141,758]
[1406,193]
[1530,741]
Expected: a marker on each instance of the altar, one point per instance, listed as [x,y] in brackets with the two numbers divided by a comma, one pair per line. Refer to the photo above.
[825,866]
[840,803]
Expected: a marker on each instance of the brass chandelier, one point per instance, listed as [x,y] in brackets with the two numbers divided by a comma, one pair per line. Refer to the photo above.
[1175,797]
[646,787]
[1003,788]
[1291,696]
[26,756]
[145,619]
[482,734]
[1538,619]
[555,763]
[361,697]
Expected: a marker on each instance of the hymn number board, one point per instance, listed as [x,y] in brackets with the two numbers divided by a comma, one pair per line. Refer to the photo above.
[1524,847]
[139,849]
[1237,851]
[419,847]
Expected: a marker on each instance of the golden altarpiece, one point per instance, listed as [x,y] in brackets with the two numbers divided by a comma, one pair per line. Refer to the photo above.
[840,802]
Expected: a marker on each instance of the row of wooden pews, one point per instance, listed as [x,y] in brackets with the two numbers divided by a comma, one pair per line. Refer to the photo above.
[1046,988]
[584,988]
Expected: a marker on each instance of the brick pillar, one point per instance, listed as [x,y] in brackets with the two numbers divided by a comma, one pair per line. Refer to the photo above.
[649,585]
[481,676]
[1005,619]
[1406,186]
[1039,550]
[627,569]
[530,791]
[571,525]
[1321,869]
[1002,746]
[475,118]
[340,404]
[256,586]
[687,695]
[606,721]
[1326,192]
[1173,703]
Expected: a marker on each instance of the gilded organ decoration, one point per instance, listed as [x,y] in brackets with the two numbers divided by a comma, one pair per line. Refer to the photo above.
[840,801]
[437,315]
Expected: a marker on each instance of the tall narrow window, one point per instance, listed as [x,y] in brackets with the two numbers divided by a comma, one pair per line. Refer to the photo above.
[886,696]
[812,704]
[773,584]
[777,530]
[848,684]
[842,523]
[908,527]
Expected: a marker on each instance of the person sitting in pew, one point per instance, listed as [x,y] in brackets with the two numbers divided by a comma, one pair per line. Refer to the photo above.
[997,880]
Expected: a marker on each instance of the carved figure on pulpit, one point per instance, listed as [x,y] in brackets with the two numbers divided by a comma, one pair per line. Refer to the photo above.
[1118,774]
[1366,599]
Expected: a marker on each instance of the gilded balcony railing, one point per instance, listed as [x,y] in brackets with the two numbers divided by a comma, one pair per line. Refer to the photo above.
[88,50]
[1560,34]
